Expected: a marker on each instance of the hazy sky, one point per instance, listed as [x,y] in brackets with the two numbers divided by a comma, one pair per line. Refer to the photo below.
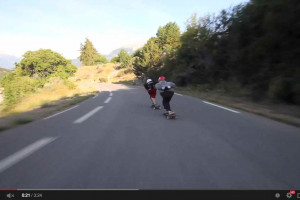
[62,25]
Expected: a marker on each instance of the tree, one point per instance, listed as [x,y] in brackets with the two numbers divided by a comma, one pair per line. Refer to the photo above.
[147,60]
[88,53]
[99,59]
[168,36]
[124,58]
[115,59]
[43,63]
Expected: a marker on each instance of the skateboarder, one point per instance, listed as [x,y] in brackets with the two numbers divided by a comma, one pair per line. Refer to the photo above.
[167,92]
[150,87]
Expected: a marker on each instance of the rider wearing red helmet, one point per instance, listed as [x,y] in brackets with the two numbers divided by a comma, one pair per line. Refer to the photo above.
[167,92]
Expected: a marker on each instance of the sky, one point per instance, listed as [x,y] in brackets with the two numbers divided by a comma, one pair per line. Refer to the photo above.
[62,25]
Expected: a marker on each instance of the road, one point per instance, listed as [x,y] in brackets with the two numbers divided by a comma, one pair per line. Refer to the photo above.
[116,141]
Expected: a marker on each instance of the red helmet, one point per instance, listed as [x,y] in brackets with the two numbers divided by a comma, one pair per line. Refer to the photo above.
[161,78]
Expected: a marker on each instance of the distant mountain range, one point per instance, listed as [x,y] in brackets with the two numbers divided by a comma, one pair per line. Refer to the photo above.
[115,52]
[8,61]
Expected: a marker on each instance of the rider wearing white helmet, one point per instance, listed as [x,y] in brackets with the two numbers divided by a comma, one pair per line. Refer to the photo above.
[150,87]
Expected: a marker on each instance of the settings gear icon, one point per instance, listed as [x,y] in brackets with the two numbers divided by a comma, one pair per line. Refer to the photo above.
[289,195]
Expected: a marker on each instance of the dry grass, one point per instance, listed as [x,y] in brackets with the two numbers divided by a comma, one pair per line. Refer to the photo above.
[96,74]
[123,76]
[18,119]
[85,81]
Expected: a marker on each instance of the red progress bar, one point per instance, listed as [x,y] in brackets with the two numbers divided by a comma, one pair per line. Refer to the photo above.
[8,189]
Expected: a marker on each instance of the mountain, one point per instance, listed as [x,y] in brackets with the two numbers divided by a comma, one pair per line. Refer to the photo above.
[115,52]
[3,71]
[8,61]
[76,62]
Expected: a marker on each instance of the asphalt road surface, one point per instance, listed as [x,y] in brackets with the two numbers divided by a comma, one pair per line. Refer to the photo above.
[116,141]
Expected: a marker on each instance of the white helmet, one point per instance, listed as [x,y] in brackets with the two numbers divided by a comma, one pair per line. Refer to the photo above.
[149,80]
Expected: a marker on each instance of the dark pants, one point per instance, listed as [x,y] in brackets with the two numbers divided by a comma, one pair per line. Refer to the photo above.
[167,96]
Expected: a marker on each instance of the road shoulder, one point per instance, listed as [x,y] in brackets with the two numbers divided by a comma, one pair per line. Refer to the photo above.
[48,109]
[289,114]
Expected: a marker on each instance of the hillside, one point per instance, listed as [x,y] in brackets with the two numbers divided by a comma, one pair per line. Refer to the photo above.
[106,73]
[3,71]
[85,82]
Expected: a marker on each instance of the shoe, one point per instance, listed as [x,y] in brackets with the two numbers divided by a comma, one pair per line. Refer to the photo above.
[171,113]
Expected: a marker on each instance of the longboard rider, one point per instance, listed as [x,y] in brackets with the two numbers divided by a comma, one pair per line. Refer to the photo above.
[166,91]
[150,87]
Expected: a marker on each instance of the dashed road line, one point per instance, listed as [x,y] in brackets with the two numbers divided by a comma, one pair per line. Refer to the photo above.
[221,107]
[62,112]
[88,115]
[25,152]
[111,94]
[107,100]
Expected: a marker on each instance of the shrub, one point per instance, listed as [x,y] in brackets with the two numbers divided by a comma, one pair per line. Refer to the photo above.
[281,88]
[64,72]
[102,80]
[16,87]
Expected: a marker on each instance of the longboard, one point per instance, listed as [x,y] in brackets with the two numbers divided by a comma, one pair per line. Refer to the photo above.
[169,116]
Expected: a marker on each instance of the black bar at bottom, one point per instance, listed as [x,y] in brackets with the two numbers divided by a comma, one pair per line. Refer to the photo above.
[149,194]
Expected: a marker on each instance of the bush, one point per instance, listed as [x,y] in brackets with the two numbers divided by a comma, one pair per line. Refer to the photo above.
[281,89]
[53,83]
[43,62]
[64,72]
[296,92]
[102,80]
[128,71]
[16,87]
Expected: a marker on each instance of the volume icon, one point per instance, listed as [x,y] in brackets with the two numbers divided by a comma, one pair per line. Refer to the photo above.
[10,195]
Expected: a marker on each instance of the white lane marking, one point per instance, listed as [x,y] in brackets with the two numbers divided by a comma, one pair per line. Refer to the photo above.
[221,107]
[95,96]
[107,100]
[62,112]
[111,94]
[178,94]
[27,151]
[88,115]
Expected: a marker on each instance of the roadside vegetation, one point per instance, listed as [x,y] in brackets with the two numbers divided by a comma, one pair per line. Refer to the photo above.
[3,71]
[250,50]
[43,78]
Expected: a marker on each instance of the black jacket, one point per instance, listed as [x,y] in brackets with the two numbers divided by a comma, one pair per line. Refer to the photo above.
[149,86]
